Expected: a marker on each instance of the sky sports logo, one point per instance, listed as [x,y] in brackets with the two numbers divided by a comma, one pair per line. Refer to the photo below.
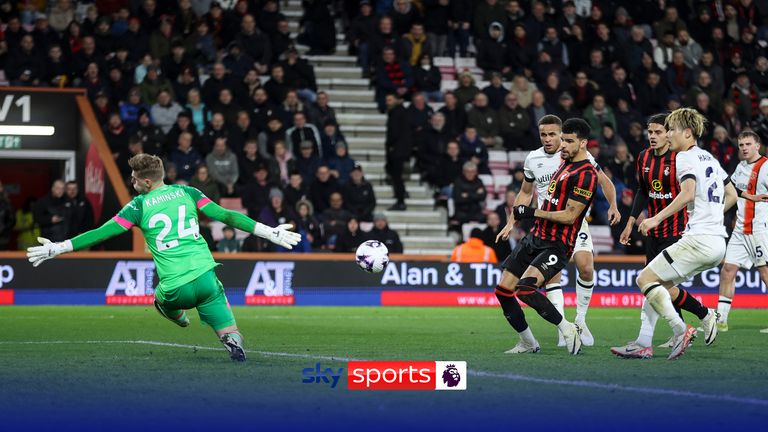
[393,375]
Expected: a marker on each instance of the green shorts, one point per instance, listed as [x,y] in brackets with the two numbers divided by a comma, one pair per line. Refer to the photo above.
[206,294]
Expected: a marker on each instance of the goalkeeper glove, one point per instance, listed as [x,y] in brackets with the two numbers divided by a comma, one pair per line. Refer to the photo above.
[278,235]
[37,254]
[524,212]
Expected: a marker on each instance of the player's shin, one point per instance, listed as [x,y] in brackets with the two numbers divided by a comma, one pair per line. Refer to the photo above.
[584,290]
[723,308]
[527,293]
[689,303]
[648,318]
[514,314]
[659,298]
[555,295]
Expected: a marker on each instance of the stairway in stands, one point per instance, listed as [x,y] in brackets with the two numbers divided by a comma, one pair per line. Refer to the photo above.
[422,229]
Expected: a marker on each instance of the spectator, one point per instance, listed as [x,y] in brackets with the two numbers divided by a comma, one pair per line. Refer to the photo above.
[129,109]
[704,85]
[622,165]
[309,224]
[466,91]
[261,109]
[679,76]
[249,161]
[522,49]
[7,219]
[255,194]
[448,170]
[495,92]
[300,75]
[383,233]
[583,90]
[474,149]
[152,137]
[415,43]
[565,107]
[165,111]
[227,106]
[283,163]
[229,243]
[52,214]
[222,164]
[185,157]
[468,196]
[349,240]
[362,30]
[504,209]
[290,106]
[207,185]
[237,61]
[455,115]
[277,212]
[492,50]
[330,138]
[427,79]
[340,164]
[200,44]
[419,114]
[255,43]
[552,88]
[538,109]
[502,248]
[599,114]
[62,13]
[474,250]
[523,89]
[392,76]
[320,113]
[267,138]
[295,190]
[759,75]
[744,95]
[460,27]
[433,144]
[359,197]
[242,131]
[690,48]
[116,136]
[322,188]
[281,39]
[25,227]
[176,62]
[625,115]
[57,70]
[303,131]
[652,97]
[307,162]
[183,124]
[515,125]
[153,84]
[723,149]
[334,219]
[485,121]
[319,29]
[760,124]
[398,148]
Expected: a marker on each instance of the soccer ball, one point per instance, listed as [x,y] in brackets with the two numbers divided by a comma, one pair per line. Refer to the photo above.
[372,256]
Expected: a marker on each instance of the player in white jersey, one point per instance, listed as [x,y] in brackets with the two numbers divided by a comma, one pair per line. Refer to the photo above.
[538,168]
[707,193]
[748,244]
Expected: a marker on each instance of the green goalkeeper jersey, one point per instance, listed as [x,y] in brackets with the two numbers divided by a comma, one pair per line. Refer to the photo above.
[167,216]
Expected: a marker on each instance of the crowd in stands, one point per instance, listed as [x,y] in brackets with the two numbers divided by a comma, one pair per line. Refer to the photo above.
[220,92]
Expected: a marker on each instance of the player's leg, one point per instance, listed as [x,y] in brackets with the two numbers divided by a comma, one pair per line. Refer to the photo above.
[512,268]
[176,316]
[515,315]
[214,310]
[172,305]
[555,295]
[585,284]
[727,291]
[544,266]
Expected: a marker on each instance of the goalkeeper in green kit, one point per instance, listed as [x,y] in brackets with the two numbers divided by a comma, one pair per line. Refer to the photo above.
[167,215]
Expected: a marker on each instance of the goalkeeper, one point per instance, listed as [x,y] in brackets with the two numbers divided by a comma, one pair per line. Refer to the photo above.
[167,216]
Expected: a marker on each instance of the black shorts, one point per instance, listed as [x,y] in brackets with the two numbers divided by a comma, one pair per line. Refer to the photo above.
[547,257]
[654,246]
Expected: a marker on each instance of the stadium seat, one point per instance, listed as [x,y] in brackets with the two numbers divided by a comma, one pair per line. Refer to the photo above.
[465,62]
[498,160]
[217,231]
[443,62]
[517,157]
[491,204]
[487,180]
[232,204]
[448,85]
[501,182]
[602,240]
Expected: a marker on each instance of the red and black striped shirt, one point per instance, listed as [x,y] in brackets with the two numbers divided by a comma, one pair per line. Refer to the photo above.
[657,187]
[572,181]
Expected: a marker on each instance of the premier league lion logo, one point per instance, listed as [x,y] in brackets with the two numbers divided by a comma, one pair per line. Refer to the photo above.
[451,376]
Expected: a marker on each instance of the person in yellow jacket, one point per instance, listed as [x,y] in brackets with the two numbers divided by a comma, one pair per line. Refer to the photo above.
[474,250]
[26,228]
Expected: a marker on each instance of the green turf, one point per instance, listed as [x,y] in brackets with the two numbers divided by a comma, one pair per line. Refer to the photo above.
[40,374]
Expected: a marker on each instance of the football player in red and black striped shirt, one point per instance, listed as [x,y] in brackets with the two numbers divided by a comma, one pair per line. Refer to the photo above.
[657,188]
[545,251]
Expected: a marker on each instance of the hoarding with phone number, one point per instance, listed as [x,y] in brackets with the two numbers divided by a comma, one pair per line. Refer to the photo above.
[331,282]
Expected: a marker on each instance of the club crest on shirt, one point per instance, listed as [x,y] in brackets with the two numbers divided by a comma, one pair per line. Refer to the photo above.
[666,172]
[564,175]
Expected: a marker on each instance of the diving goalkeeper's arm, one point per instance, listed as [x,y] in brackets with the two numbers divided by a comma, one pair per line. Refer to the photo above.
[48,249]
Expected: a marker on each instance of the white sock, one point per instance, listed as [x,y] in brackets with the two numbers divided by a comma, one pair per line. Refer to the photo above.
[555,295]
[583,296]
[527,336]
[564,325]
[723,307]
[659,298]
[648,318]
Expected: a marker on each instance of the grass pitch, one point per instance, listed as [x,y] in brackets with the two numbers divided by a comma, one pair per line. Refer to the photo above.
[113,367]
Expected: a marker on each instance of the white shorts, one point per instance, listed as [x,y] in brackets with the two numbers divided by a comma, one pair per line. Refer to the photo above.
[691,255]
[746,250]
[583,239]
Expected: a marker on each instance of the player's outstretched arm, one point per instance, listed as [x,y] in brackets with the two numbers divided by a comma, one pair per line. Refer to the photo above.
[278,235]
[49,249]
[609,190]
[686,195]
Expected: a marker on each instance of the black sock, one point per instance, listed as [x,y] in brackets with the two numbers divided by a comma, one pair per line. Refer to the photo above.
[689,303]
[512,310]
[678,310]
[527,293]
